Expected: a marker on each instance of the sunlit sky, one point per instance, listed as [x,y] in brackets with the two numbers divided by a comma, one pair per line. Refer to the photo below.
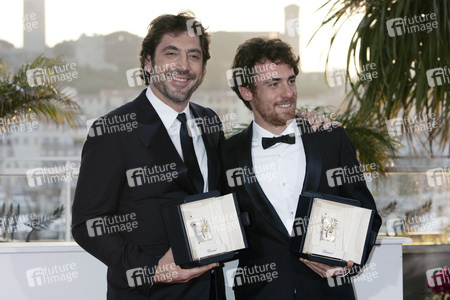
[67,20]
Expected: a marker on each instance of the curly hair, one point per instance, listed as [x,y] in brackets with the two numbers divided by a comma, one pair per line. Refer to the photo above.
[258,50]
[172,24]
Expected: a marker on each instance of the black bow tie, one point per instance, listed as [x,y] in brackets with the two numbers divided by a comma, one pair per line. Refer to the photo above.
[269,142]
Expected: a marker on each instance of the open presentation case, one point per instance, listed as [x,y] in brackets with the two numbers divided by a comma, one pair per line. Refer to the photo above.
[204,228]
[332,230]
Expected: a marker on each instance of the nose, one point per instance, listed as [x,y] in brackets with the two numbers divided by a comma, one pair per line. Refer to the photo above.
[289,90]
[183,62]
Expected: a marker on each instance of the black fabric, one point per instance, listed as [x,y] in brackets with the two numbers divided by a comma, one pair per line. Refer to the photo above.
[190,159]
[269,142]
[103,190]
[267,237]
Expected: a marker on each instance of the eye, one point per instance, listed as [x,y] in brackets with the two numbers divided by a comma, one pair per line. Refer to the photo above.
[194,56]
[171,53]
[274,83]
[292,81]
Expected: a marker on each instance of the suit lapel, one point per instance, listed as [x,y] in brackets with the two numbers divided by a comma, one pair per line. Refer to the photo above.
[154,135]
[313,160]
[252,186]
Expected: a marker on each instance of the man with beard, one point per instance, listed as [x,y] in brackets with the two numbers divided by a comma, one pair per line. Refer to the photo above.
[276,143]
[120,175]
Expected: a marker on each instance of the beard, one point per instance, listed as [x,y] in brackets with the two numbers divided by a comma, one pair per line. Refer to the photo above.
[173,93]
[270,114]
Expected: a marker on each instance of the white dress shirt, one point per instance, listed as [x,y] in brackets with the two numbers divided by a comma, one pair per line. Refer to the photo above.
[168,117]
[280,171]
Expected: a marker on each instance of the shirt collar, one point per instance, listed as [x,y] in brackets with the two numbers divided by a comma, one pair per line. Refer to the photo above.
[259,132]
[166,113]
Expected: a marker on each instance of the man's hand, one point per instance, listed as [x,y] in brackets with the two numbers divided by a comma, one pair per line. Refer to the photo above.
[315,120]
[168,272]
[326,270]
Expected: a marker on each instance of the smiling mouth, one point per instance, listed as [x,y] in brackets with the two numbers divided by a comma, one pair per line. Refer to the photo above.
[285,105]
[180,79]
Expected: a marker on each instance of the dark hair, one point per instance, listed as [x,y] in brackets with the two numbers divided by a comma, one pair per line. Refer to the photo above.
[171,24]
[259,50]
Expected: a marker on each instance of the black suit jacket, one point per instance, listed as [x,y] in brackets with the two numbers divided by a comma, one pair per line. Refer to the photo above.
[267,237]
[103,190]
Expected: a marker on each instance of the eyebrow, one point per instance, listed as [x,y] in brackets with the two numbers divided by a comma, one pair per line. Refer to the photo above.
[278,79]
[195,50]
[171,47]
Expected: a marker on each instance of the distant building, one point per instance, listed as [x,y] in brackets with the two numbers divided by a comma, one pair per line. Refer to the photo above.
[90,52]
[34,26]
[224,44]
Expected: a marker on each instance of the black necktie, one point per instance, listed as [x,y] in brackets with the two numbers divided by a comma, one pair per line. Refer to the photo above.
[190,159]
[269,142]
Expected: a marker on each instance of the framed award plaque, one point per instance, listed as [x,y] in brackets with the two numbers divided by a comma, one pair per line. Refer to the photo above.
[205,228]
[332,229]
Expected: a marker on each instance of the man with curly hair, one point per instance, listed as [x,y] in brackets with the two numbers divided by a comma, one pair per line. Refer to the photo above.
[280,157]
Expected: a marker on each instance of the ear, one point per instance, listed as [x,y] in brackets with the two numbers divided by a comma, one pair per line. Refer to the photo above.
[246,93]
[148,64]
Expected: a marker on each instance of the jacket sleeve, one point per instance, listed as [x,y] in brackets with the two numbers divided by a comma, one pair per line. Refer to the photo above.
[358,189]
[97,195]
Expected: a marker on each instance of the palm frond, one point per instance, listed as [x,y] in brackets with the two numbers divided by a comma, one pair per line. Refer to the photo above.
[44,221]
[402,61]
[372,143]
[48,101]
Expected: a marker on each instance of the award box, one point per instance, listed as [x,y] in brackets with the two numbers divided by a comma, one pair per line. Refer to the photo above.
[205,228]
[332,230]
